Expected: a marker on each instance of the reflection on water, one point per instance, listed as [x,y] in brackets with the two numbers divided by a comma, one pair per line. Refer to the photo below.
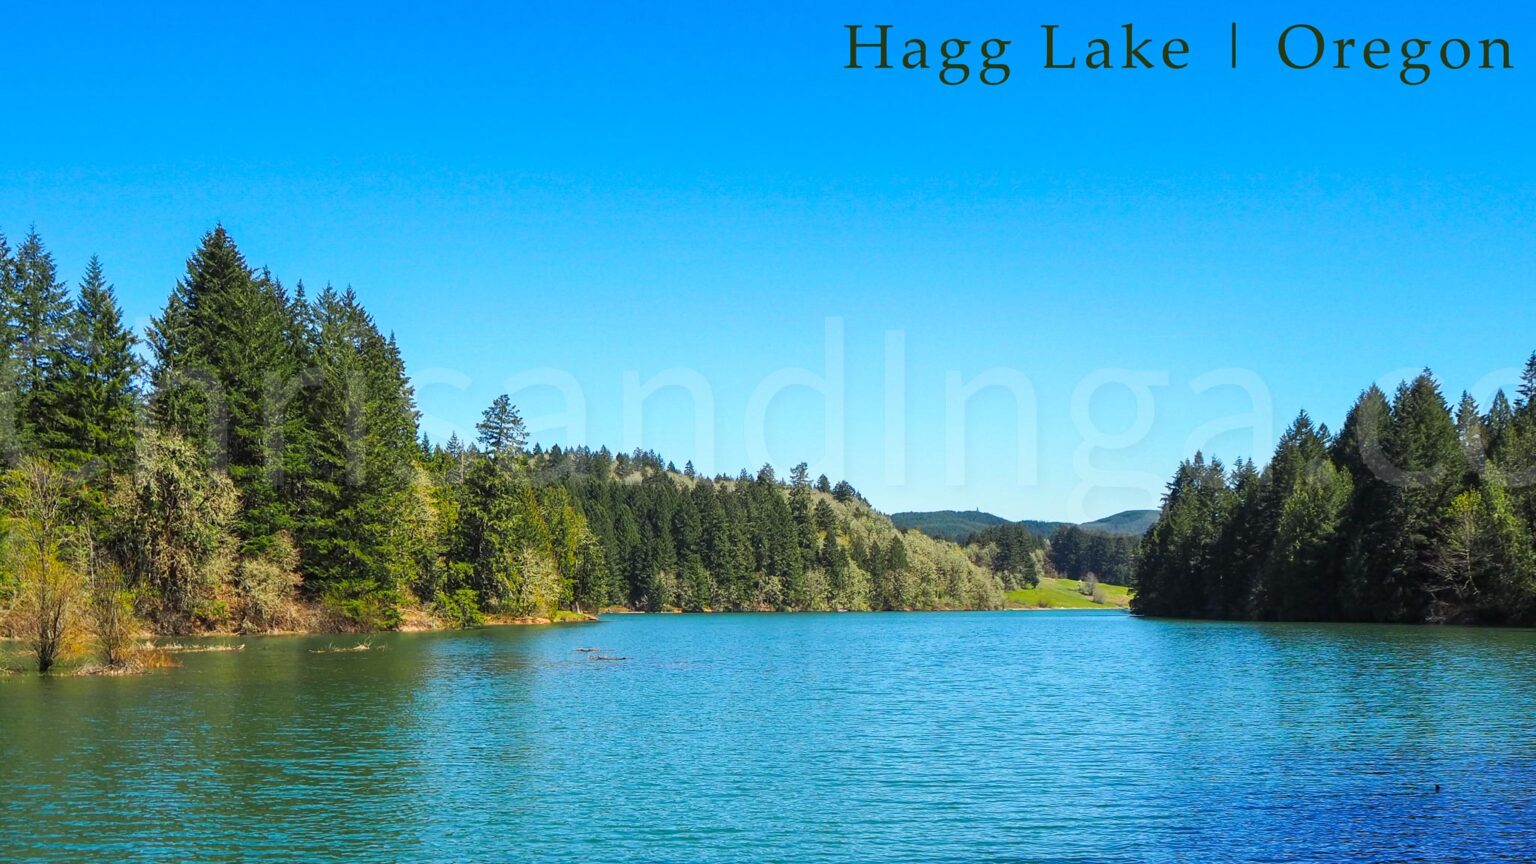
[986,736]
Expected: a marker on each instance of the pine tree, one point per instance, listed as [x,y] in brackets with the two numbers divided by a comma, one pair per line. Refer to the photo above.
[10,402]
[1300,453]
[225,374]
[1499,429]
[1527,389]
[1177,553]
[37,306]
[495,528]
[84,414]
[360,456]
[1229,581]
[1472,433]
[1304,548]
[501,428]
[1425,450]
[800,511]
[1366,552]
[1518,450]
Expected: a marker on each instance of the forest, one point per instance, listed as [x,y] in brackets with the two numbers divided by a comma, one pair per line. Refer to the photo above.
[1017,552]
[254,464]
[1413,512]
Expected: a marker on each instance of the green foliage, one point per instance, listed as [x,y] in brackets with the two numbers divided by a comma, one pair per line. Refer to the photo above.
[1077,552]
[172,519]
[355,487]
[265,585]
[276,455]
[628,531]
[501,428]
[113,620]
[1014,552]
[44,553]
[83,413]
[36,306]
[1406,516]
[460,609]
[226,362]
[362,605]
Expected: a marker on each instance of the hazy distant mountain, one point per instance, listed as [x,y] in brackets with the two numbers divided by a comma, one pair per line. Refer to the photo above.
[947,524]
[959,524]
[1127,522]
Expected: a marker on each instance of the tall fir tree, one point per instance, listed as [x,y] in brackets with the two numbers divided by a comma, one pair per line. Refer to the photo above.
[501,429]
[1366,551]
[1519,452]
[10,402]
[84,414]
[1430,462]
[1499,429]
[226,370]
[37,308]
[356,483]
[1299,455]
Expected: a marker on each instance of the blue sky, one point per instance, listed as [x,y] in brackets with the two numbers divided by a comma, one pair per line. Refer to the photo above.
[569,194]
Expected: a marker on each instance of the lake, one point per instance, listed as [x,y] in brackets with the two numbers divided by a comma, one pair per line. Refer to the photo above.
[1049,736]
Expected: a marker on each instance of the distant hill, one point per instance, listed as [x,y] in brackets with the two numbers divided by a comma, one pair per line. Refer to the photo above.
[953,525]
[1128,522]
[957,525]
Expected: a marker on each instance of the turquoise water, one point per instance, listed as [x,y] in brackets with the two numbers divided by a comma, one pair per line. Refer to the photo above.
[1058,736]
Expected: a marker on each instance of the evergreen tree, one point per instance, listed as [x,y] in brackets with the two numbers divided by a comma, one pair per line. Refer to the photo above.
[1519,452]
[1301,453]
[1499,430]
[359,454]
[1425,450]
[1177,552]
[1366,549]
[1472,433]
[1229,582]
[501,428]
[495,529]
[84,414]
[37,305]
[1527,389]
[844,491]
[225,370]
[10,402]
[1304,548]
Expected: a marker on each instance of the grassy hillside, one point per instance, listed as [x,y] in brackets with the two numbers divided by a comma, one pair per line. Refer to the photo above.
[1064,594]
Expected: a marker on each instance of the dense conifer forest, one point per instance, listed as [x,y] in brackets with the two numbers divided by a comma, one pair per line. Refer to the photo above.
[255,464]
[1413,512]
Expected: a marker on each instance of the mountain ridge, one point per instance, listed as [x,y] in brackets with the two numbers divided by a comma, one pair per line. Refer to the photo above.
[956,525]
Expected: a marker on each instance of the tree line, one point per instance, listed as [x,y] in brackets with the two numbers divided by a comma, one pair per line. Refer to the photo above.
[1021,557]
[1076,553]
[1412,512]
[255,462]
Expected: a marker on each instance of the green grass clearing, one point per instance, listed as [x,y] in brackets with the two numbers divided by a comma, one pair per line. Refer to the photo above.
[1064,594]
